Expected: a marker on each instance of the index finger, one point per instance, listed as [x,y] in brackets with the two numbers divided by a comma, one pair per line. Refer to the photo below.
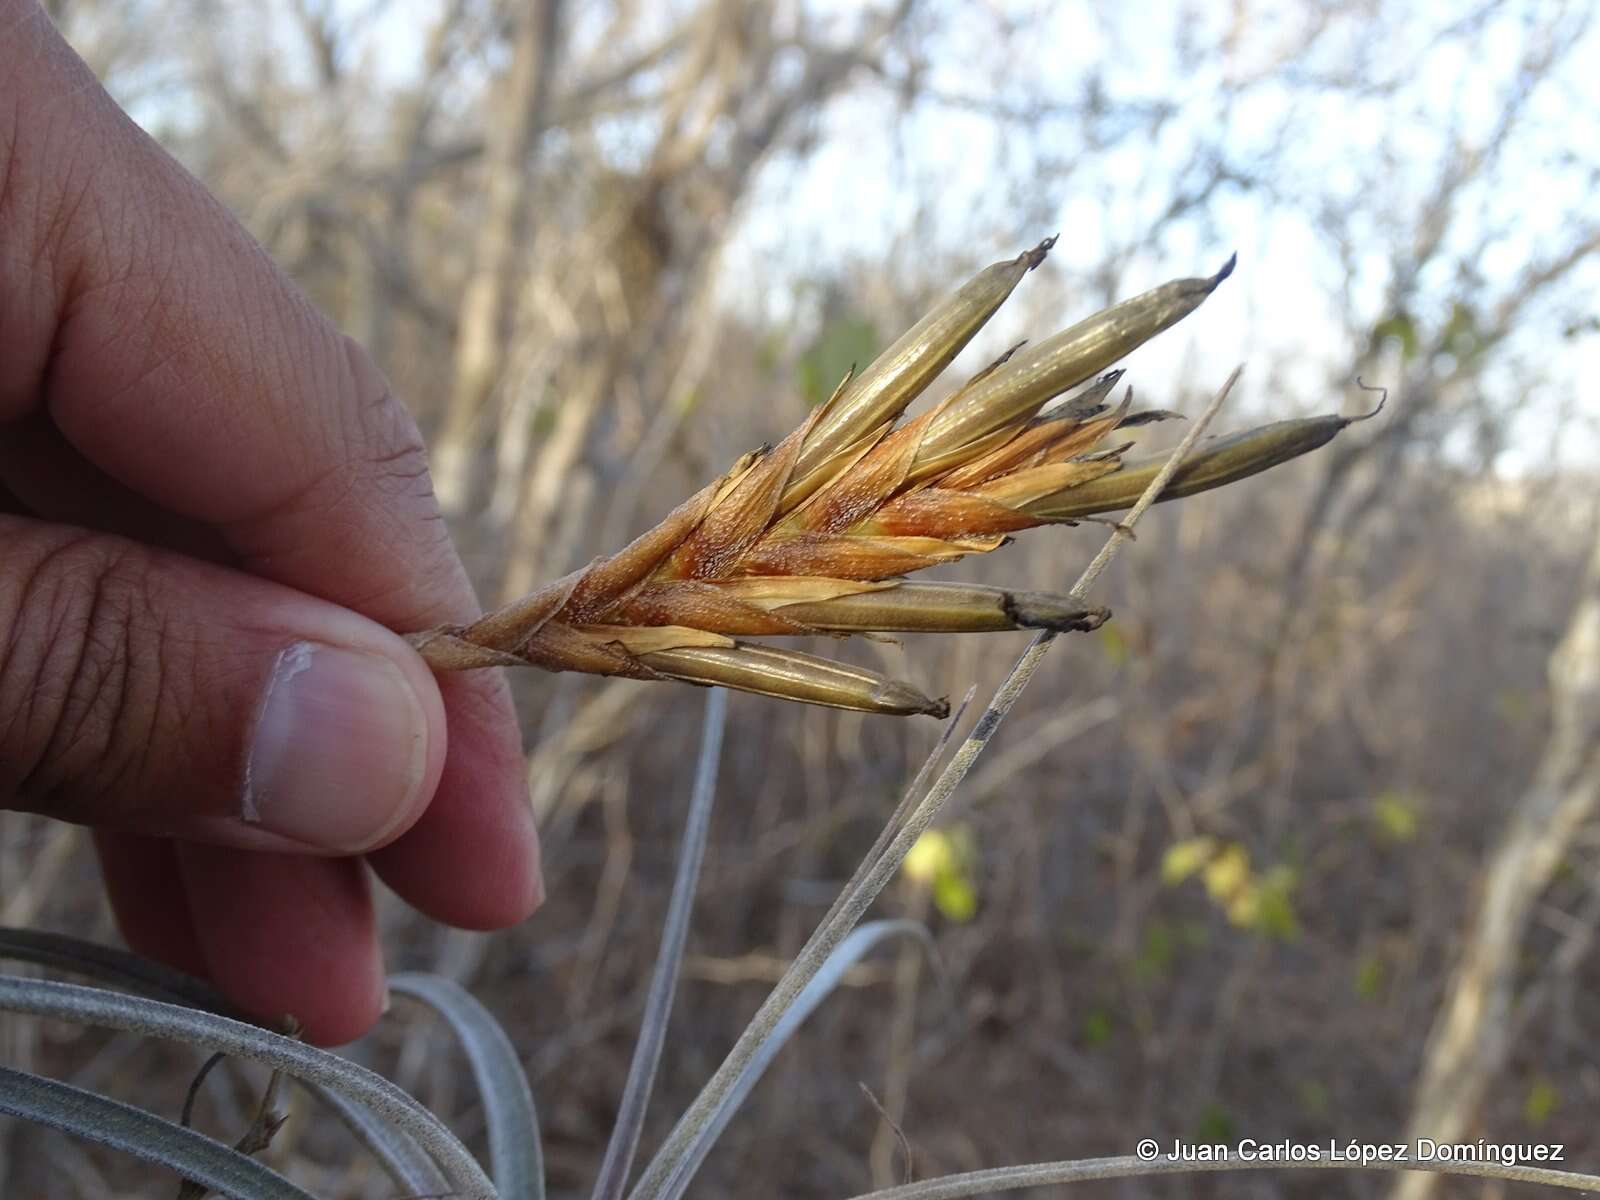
[172,353]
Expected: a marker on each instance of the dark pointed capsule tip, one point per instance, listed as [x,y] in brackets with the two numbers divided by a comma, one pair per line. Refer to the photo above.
[1149,417]
[902,700]
[1036,256]
[1039,610]
[1227,269]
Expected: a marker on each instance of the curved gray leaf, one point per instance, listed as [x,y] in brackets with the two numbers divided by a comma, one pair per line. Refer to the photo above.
[207,1031]
[111,965]
[664,981]
[516,1163]
[398,1153]
[845,955]
[144,1135]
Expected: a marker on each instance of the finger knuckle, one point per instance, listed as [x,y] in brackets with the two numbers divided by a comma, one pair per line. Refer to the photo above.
[393,463]
[80,673]
[392,447]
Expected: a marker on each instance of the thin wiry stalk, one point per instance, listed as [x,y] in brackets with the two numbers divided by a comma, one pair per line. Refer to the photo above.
[397,1152]
[669,959]
[1001,1179]
[515,1159]
[206,1031]
[907,799]
[852,950]
[669,1172]
[144,1135]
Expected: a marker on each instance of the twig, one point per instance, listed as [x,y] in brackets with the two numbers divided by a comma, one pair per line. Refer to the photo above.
[899,1134]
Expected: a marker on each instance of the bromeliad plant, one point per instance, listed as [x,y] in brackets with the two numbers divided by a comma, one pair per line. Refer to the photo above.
[808,537]
[814,535]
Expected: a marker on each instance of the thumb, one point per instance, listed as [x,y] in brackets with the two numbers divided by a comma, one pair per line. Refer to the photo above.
[145,691]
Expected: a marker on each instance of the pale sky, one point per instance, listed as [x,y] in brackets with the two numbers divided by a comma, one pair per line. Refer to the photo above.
[881,174]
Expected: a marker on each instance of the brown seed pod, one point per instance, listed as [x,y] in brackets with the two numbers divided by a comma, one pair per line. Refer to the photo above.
[1222,460]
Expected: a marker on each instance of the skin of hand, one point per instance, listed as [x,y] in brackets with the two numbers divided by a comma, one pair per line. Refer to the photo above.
[214,513]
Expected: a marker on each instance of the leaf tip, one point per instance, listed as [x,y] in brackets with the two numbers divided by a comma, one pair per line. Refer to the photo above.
[1037,255]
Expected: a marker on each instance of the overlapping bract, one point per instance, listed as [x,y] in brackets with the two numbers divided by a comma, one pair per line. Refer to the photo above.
[813,535]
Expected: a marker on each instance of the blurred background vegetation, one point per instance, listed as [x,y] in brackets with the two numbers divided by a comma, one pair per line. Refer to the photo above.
[1297,847]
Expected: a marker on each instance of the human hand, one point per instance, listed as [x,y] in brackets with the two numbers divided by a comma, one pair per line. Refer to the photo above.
[213,514]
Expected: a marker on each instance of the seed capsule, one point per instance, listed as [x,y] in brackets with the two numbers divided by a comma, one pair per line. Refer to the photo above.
[898,376]
[790,675]
[944,608]
[1224,460]
[1039,372]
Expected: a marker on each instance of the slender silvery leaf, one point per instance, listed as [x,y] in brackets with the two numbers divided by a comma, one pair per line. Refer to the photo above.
[398,1153]
[1047,1174]
[845,955]
[207,1031]
[144,1135]
[111,965]
[664,981]
[515,1161]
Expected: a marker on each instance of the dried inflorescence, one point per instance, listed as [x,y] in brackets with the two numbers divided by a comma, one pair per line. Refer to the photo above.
[814,535]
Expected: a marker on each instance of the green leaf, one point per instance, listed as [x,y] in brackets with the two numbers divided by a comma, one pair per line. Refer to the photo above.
[1184,858]
[1098,1026]
[1461,337]
[1227,875]
[1398,816]
[931,855]
[1370,975]
[942,861]
[1400,328]
[846,341]
[955,897]
[1543,1097]
[1275,916]
[1216,1125]
[1114,644]
[1157,949]
[1315,1099]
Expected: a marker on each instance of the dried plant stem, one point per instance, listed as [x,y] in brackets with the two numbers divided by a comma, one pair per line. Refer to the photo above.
[669,1172]
[1001,1179]
[624,1141]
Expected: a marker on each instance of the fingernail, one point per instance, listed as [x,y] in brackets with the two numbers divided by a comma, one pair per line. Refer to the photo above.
[339,751]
